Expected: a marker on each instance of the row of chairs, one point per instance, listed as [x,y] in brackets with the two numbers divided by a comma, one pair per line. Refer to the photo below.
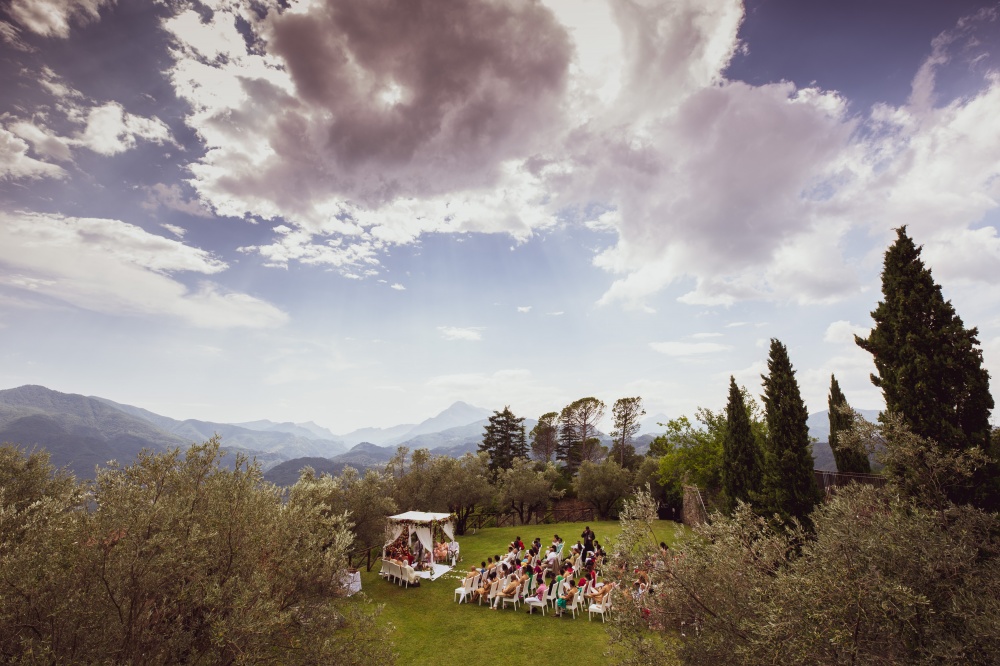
[523,595]
[402,575]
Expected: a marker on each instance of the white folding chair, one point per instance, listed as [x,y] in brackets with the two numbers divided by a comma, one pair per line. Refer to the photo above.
[603,607]
[534,602]
[516,599]
[552,594]
[574,602]
[468,585]
[494,588]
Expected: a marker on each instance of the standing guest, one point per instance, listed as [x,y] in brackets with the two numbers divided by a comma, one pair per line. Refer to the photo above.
[588,540]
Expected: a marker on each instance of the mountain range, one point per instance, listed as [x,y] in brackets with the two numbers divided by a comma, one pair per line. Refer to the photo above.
[81,432]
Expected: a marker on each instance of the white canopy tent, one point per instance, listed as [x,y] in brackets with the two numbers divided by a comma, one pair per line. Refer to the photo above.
[421,524]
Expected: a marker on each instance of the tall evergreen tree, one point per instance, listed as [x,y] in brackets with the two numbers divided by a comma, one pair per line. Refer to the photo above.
[789,487]
[504,440]
[848,459]
[930,367]
[741,464]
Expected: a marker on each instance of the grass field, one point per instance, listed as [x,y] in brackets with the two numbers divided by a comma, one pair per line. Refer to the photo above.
[431,628]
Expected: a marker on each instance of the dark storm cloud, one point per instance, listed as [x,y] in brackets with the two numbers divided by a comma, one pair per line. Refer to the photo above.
[457,85]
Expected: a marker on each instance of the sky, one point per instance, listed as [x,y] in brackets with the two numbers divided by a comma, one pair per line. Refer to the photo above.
[357,212]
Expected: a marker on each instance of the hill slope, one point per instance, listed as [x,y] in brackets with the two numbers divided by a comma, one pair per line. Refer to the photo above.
[79,432]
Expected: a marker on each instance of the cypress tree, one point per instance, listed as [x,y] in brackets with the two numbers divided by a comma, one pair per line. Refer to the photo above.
[741,473]
[847,459]
[930,367]
[789,487]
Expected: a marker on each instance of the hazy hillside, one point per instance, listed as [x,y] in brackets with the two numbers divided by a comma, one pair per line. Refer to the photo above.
[287,473]
[377,436]
[308,430]
[282,444]
[79,432]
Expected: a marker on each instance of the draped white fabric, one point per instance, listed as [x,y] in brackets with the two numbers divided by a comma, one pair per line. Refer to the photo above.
[424,535]
[449,530]
[395,531]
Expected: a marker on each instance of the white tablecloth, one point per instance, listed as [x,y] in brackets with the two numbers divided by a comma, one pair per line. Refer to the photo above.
[352,582]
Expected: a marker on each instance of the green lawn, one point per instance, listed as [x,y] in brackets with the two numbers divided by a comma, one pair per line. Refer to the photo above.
[431,626]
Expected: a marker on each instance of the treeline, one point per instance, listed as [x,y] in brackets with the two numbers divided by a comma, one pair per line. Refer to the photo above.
[905,573]
[174,559]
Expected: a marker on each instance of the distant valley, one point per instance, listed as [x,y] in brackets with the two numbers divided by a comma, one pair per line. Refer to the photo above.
[82,432]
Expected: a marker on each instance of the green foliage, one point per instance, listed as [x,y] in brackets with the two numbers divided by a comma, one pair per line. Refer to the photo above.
[881,580]
[603,485]
[366,500]
[176,560]
[525,489]
[690,455]
[577,433]
[848,459]
[440,483]
[741,453]
[626,413]
[462,484]
[545,437]
[504,440]
[789,486]
[930,367]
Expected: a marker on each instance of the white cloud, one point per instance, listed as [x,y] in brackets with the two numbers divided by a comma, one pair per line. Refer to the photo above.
[843,332]
[52,18]
[682,349]
[114,267]
[397,287]
[43,141]
[175,230]
[455,333]
[524,308]
[111,130]
[15,162]
[747,192]
[172,197]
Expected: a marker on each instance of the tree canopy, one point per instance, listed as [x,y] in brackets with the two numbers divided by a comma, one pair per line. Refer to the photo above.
[175,559]
[578,433]
[504,440]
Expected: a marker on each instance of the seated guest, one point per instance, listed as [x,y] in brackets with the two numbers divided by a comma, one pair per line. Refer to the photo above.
[540,588]
[509,590]
[600,593]
[566,597]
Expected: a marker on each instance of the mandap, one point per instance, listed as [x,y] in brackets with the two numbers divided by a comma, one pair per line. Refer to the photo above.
[420,526]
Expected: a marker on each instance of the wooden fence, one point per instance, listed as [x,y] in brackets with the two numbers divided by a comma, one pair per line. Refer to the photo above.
[366,556]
